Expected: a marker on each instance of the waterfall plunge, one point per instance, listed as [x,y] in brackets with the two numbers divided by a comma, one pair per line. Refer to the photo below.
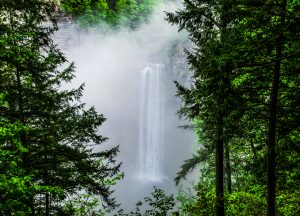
[151,123]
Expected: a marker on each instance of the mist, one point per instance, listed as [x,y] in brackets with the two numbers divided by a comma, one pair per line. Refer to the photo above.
[110,64]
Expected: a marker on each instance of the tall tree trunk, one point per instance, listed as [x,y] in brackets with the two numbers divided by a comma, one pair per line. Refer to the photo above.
[225,71]
[271,176]
[219,168]
[47,204]
[47,196]
[227,168]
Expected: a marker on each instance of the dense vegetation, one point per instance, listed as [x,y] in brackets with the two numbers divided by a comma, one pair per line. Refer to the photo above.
[112,13]
[47,137]
[244,104]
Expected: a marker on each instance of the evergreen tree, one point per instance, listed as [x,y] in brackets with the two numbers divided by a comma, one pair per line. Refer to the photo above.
[210,99]
[15,186]
[61,141]
[268,45]
[243,60]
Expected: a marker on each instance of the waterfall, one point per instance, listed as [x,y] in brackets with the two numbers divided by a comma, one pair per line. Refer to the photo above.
[151,124]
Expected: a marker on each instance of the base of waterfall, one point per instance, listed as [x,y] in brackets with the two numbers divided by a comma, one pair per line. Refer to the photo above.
[145,177]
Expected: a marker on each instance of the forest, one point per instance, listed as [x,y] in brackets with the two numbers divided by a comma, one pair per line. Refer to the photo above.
[243,105]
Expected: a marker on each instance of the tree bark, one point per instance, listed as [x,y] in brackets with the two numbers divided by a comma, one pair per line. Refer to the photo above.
[47,196]
[271,143]
[220,168]
[228,168]
[47,204]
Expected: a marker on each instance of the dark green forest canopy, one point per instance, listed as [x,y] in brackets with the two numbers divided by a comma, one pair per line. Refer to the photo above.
[111,13]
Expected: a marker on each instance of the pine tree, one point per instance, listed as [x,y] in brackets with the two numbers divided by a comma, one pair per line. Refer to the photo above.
[265,48]
[253,46]
[210,99]
[62,140]
[15,184]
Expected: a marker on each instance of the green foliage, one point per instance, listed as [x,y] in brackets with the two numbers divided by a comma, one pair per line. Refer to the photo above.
[288,203]
[120,13]
[127,12]
[203,203]
[82,204]
[15,185]
[245,68]
[157,204]
[160,203]
[245,203]
[237,203]
[78,7]
[48,137]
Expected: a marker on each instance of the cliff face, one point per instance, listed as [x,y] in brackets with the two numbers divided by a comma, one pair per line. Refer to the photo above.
[61,15]
[178,63]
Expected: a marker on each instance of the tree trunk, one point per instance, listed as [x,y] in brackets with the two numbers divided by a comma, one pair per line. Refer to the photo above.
[271,154]
[47,204]
[219,168]
[227,168]
[47,196]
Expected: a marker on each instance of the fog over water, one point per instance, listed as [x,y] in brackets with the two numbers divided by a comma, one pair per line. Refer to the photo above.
[111,65]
